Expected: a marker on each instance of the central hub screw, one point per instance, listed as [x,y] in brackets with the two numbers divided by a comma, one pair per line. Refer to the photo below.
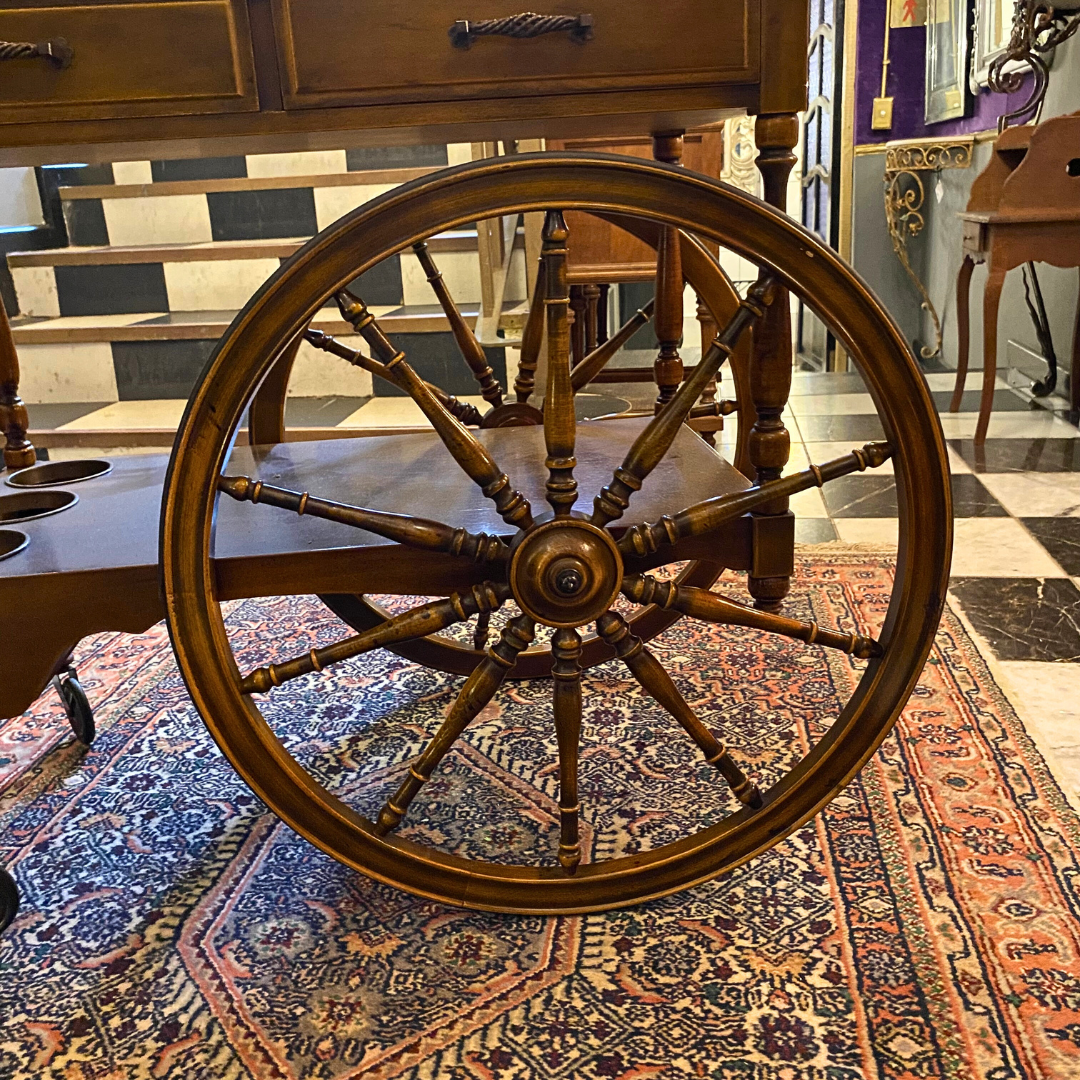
[569,582]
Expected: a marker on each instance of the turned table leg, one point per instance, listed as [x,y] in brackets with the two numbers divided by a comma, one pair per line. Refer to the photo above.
[991,300]
[770,366]
[18,450]
[668,311]
[1074,370]
[963,329]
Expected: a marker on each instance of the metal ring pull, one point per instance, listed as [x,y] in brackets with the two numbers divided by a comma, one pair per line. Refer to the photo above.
[56,50]
[526,25]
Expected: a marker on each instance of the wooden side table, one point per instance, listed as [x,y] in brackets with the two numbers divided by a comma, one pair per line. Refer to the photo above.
[1024,207]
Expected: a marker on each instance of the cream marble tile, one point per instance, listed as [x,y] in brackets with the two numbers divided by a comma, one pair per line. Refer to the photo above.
[155,413]
[35,288]
[1036,494]
[808,504]
[956,463]
[820,452]
[320,374]
[999,547]
[883,532]
[458,153]
[215,285]
[303,163]
[158,219]
[833,405]
[80,322]
[946,380]
[132,172]
[77,453]
[67,372]
[460,271]
[1065,764]
[396,412]
[334,202]
[1048,695]
[1009,425]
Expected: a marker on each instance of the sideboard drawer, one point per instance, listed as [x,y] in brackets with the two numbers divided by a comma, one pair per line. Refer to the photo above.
[177,57]
[362,52]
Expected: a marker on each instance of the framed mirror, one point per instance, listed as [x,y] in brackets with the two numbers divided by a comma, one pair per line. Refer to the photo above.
[946,59]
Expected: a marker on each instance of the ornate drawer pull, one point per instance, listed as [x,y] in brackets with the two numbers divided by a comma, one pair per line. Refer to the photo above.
[56,50]
[526,25]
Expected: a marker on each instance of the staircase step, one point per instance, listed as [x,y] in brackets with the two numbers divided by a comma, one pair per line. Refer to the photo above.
[185,278]
[238,208]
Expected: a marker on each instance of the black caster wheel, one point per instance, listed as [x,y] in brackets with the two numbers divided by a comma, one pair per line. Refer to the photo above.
[9,900]
[76,705]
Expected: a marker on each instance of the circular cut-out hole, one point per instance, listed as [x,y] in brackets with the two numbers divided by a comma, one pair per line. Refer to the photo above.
[51,473]
[1073,167]
[12,542]
[30,505]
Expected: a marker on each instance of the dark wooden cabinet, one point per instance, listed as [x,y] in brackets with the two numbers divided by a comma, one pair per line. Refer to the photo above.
[176,58]
[182,78]
[344,52]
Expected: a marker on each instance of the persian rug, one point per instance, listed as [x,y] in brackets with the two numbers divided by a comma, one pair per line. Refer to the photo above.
[926,924]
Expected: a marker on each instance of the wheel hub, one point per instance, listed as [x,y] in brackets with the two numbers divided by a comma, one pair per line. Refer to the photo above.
[566,573]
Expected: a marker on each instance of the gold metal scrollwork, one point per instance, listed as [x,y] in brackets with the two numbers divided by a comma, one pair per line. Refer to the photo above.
[905,195]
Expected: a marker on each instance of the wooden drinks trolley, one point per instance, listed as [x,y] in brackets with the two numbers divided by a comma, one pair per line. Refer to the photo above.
[548,518]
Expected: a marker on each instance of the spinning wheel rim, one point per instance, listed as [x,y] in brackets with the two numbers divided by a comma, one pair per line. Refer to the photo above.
[572,181]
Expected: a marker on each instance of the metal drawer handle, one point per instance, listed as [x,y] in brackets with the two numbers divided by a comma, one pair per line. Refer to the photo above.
[56,50]
[526,25]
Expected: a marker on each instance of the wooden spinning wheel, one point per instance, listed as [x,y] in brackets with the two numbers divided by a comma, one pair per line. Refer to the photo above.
[564,567]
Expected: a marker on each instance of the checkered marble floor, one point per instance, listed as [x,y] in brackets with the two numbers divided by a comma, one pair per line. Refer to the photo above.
[1016,561]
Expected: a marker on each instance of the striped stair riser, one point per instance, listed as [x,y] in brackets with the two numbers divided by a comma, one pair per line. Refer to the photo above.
[107,371]
[303,163]
[218,285]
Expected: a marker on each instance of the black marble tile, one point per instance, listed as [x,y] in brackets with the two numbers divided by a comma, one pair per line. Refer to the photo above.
[814,530]
[633,296]
[209,168]
[1023,618]
[320,411]
[111,289]
[860,495]
[159,369]
[395,157]
[840,428]
[1061,537]
[589,404]
[79,175]
[1020,455]
[85,220]
[381,284]
[48,415]
[436,358]
[266,214]
[1004,401]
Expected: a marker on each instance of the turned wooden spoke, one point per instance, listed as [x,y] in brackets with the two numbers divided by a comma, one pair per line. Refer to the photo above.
[559,422]
[460,410]
[475,694]
[417,623]
[532,338]
[655,440]
[412,531]
[656,682]
[706,516]
[464,447]
[566,671]
[587,370]
[702,604]
[471,349]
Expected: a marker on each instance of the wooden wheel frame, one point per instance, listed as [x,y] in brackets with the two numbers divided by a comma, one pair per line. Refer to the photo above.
[562,568]
[703,273]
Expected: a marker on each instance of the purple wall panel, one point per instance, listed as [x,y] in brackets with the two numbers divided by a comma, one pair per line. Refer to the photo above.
[907,58]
